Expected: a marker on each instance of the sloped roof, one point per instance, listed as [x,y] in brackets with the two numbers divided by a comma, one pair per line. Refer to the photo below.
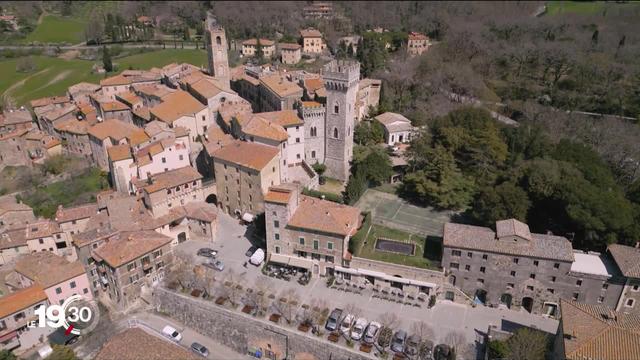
[113,128]
[130,246]
[394,122]
[597,332]
[280,85]
[289,46]
[76,212]
[627,258]
[248,154]
[172,178]
[254,42]
[41,229]
[48,101]
[136,344]
[258,126]
[310,33]
[512,227]
[325,216]
[72,126]
[48,269]
[278,195]
[119,152]
[284,118]
[20,300]
[175,106]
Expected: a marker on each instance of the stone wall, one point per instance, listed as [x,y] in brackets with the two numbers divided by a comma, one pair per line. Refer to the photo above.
[241,332]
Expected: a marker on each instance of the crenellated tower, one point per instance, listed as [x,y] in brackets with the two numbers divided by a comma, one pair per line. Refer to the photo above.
[217,56]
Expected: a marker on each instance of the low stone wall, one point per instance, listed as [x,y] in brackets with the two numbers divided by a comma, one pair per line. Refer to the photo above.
[407,272]
[240,332]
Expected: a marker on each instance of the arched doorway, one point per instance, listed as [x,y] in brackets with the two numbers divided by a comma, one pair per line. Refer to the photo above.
[396,284]
[182,237]
[452,280]
[212,199]
[527,304]
[480,296]
[506,299]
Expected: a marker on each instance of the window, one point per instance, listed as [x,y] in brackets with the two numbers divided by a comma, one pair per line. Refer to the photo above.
[556,266]
[469,254]
[630,303]
[529,288]
[72,285]
[482,269]
[316,244]
[553,279]
[485,257]
[276,236]
[157,253]
[454,265]
[58,290]
[336,108]
[276,223]
[605,286]
[600,299]
[635,288]
[274,169]
[550,291]
[298,156]
[579,282]
[85,291]
[329,245]
[532,276]
[480,281]
[510,285]
[218,40]
[164,160]
[513,273]
[335,133]
[277,249]
[516,260]
[313,154]
[40,241]
[301,240]
[575,296]
[456,252]
[181,157]
[467,267]
[536,263]
[328,259]
[297,140]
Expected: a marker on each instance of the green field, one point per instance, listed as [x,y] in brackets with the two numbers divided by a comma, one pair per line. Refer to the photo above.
[54,75]
[588,7]
[56,29]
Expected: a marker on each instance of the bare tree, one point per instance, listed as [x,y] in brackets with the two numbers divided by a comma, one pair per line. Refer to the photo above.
[260,294]
[422,330]
[526,344]
[233,282]
[181,270]
[319,312]
[287,303]
[456,340]
[389,320]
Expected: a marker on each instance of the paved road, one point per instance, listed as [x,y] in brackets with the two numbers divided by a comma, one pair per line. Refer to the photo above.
[168,45]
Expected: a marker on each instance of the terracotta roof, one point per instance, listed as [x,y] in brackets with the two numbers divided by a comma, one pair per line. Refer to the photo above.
[310,33]
[115,129]
[597,332]
[313,84]
[119,152]
[143,113]
[280,85]
[206,88]
[10,204]
[158,91]
[216,139]
[512,227]
[627,258]
[48,100]
[394,122]
[248,154]
[325,216]
[56,113]
[482,238]
[13,238]
[136,344]
[176,105]
[20,300]
[254,42]
[48,269]
[128,98]
[130,246]
[228,110]
[76,212]
[82,88]
[310,104]
[41,229]
[278,195]
[417,36]
[13,134]
[72,126]
[261,127]
[94,234]
[284,118]
[15,117]
[193,210]
[289,46]
[113,106]
[172,178]
[130,77]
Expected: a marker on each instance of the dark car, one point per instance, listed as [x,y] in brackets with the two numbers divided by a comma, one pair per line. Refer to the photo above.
[411,348]
[334,320]
[199,349]
[442,352]
[398,341]
[251,251]
[59,337]
[207,252]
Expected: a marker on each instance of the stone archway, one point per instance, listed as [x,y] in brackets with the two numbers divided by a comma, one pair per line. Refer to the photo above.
[212,199]
[480,296]
[452,280]
[506,300]
[182,237]
[527,303]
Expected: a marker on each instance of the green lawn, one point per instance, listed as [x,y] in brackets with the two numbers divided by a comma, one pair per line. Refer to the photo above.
[56,29]
[54,75]
[77,190]
[587,7]
[363,245]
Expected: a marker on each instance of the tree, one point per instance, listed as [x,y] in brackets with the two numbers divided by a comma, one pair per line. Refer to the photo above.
[527,344]
[62,352]
[95,28]
[287,304]
[373,163]
[233,286]
[259,50]
[455,340]
[320,169]
[389,321]
[356,186]
[368,133]
[7,355]
[106,59]
[498,349]
[504,201]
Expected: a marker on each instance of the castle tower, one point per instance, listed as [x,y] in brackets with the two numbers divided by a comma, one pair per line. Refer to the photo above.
[216,41]
[341,79]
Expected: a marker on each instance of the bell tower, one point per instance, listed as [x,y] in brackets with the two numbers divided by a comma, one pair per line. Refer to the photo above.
[216,42]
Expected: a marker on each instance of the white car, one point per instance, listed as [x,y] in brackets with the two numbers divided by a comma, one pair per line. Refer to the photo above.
[358,329]
[172,333]
[372,332]
[346,324]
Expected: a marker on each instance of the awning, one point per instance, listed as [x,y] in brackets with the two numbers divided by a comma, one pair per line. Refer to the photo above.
[247,217]
[8,336]
[371,273]
[300,262]
[345,270]
[422,283]
[279,258]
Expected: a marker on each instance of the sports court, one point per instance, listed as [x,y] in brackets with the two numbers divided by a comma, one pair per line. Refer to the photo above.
[404,248]
[391,211]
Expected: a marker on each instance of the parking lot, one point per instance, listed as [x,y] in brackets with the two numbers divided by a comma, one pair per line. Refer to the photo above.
[444,318]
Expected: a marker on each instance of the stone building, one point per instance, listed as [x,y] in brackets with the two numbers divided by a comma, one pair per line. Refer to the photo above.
[74,135]
[514,267]
[130,261]
[397,128]
[13,149]
[417,43]
[277,93]
[290,54]
[16,310]
[244,172]
[12,120]
[14,213]
[125,80]
[368,97]
[112,132]
[306,232]
[250,47]
[341,82]
[171,189]
[216,42]
[74,220]
[81,91]
[181,109]
[49,115]
[313,115]
[627,259]
[312,42]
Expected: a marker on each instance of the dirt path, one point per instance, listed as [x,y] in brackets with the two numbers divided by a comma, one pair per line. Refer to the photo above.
[21,82]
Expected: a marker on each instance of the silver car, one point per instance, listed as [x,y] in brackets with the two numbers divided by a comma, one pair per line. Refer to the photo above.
[371,333]
[398,342]
[199,349]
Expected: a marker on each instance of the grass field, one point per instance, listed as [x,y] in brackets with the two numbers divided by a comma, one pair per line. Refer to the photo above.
[54,75]
[56,29]
[587,7]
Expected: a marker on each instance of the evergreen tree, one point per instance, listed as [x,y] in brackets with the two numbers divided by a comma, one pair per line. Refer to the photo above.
[106,59]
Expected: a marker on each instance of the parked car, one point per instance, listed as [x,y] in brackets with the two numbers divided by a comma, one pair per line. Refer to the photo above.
[214,265]
[333,320]
[251,250]
[207,252]
[412,344]
[172,333]
[371,333]
[358,329]
[347,323]
[442,352]
[199,349]
[60,337]
[398,341]
[257,258]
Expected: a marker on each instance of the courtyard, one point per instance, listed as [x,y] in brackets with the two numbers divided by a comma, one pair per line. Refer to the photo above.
[445,317]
